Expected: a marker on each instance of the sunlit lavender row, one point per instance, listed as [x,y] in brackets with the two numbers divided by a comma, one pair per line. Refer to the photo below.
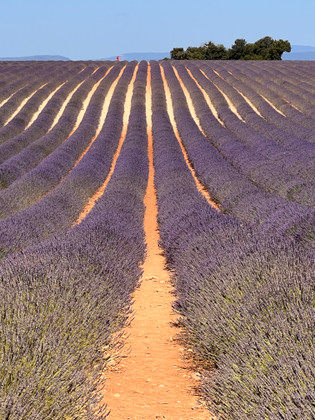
[243,275]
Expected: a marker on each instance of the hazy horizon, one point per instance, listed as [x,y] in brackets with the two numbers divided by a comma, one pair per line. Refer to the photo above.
[95,30]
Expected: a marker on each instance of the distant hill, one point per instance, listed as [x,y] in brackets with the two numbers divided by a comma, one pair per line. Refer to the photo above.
[36,58]
[300,52]
[138,56]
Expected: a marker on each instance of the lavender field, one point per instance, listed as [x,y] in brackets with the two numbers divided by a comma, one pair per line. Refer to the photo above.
[73,175]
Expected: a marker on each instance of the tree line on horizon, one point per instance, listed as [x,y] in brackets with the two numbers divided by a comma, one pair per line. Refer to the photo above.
[264,49]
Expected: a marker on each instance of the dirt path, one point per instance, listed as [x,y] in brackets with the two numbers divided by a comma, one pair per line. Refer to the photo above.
[152,380]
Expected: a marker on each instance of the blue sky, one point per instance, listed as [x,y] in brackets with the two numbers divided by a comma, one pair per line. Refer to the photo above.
[93,29]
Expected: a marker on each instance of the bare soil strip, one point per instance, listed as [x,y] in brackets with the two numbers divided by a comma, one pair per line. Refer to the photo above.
[272,105]
[103,113]
[188,99]
[42,106]
[87,101]
[228,100]
[65,103]
[295,107]
[253,106]
[152,380]
[22,104]
[99,127]
[245,97]
[207,99]
[89,206]
[250,103]
[201,188]
[9,97]
[63,107]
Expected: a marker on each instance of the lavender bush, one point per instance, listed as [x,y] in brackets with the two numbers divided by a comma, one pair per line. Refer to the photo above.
[72,293]
[244,291]
[44,121]
[243,276]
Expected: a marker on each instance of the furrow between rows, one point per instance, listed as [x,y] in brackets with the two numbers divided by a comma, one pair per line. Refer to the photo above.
[18,146]
[64,202]
[39,161]
[229,102]
[127,108]
[248,159]
[166,390]
[24,102]
[9,97]
[201,188]
[42,105]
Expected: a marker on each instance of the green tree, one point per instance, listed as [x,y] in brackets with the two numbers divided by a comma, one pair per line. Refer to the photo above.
[264,49]
[270,49]
[215,52]
[238,50]
[178,54]
[195,53]
[261,46]
[277,49]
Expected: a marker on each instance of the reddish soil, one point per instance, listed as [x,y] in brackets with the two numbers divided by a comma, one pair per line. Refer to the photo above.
[152,378]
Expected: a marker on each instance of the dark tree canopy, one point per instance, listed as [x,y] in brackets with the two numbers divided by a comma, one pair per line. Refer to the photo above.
[264,49]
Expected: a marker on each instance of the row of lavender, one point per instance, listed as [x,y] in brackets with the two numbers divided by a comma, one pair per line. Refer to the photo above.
[243,278]
[199,243]
[274,128]
[42,166]
[265,123]
[237,194]
[34,88]
[290,88]
[46,119]
[24,151]
[67,187]
[273,167]
[68,295]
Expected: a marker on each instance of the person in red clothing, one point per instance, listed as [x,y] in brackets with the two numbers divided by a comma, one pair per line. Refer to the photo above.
[117,58]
